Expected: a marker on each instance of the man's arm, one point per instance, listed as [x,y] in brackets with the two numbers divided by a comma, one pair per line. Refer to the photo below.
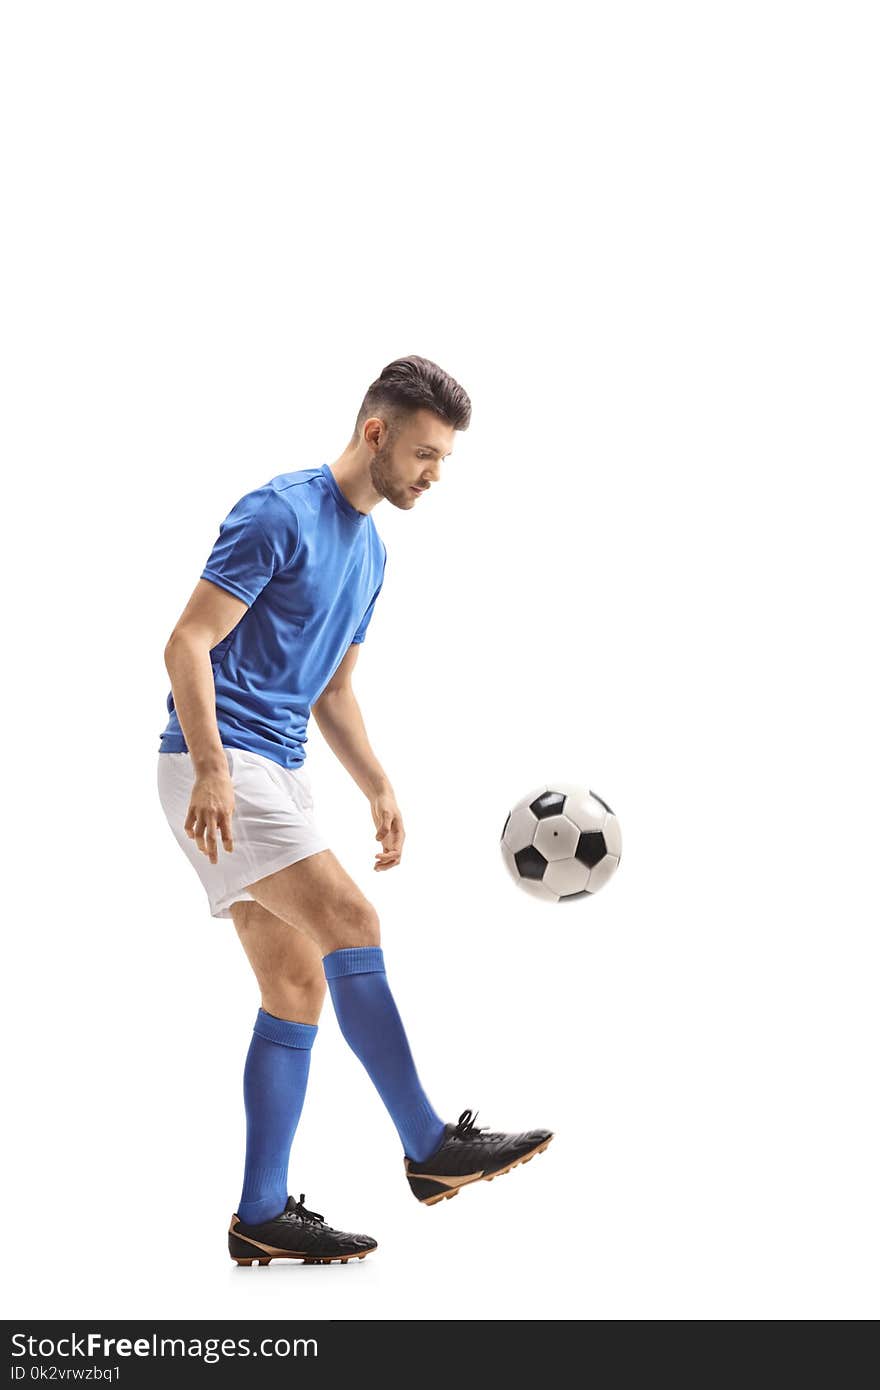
[338,716]
[210,614]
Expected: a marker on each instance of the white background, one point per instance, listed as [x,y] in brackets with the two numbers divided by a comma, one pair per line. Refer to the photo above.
[644,238]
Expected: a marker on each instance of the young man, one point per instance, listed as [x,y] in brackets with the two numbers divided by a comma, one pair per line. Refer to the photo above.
[269,636]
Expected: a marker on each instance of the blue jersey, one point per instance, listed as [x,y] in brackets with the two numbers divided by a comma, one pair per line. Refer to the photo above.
[309,566]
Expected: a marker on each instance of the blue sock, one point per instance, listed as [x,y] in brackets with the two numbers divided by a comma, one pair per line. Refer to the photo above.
[275,1076]
[372,1028]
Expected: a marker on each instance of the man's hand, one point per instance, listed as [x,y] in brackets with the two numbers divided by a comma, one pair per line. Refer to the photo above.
[210,810]
[389,829]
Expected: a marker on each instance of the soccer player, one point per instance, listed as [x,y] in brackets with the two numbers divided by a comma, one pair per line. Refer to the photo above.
[269,636]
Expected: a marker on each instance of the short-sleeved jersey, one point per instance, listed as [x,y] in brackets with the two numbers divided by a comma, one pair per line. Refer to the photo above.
[309,566]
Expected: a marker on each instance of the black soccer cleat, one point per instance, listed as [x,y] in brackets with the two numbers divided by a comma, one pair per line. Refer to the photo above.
[467,1154]
[296,1234]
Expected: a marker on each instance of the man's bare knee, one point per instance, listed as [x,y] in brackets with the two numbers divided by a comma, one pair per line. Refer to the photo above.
[317,896]
[298,998]
[286,962]
[353,922]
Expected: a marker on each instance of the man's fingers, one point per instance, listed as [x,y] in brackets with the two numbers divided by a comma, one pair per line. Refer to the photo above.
[211,836]
[205,836]
[225,828]
[390,830]
[205,826]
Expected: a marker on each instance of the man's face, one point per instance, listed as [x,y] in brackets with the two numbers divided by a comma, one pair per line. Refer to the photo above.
[413,460]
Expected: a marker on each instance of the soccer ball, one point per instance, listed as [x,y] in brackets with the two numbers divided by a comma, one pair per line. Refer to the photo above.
[561,842]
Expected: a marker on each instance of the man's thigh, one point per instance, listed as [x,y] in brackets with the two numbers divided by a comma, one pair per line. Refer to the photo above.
[285,961]
[320,899]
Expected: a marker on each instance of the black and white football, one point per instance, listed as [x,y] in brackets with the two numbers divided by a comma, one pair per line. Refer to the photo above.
[561,842]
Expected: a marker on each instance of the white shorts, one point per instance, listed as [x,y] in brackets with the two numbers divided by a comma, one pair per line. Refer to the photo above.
[273,823]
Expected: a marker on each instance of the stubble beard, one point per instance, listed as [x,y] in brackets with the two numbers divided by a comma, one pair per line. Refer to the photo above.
[383,480]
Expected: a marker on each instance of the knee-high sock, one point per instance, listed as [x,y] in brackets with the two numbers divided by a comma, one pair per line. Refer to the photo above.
[275,1076]
[372,1028]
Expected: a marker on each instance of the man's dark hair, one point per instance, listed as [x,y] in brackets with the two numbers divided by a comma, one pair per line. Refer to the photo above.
[409,384]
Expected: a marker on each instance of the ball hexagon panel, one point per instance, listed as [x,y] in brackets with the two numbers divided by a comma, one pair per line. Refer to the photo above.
[566,876]
[556,837]
[585,810]
[611,831]
[519,832]
[602,872]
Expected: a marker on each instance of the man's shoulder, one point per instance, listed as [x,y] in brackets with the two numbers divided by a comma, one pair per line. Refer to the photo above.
[277,501]
[283,485]
[289,482]
[283,488]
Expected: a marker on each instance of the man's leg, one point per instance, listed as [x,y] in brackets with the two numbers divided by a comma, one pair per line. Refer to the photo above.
[321,900]
[317,896]
[287,963]
[290,975]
